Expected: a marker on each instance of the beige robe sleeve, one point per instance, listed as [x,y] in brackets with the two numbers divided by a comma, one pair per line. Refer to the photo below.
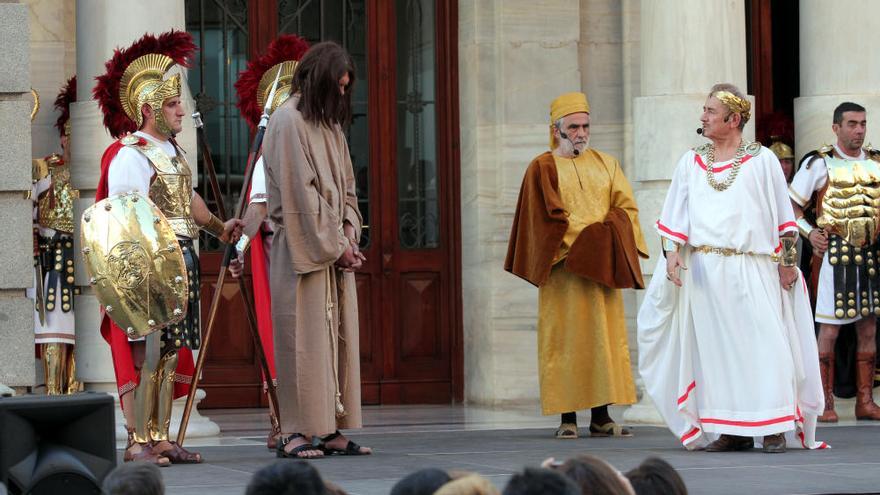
[352,212]
[622,197]
[311,226]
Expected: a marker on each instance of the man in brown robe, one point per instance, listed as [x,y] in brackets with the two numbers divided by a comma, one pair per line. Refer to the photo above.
[312,202]
[576,236]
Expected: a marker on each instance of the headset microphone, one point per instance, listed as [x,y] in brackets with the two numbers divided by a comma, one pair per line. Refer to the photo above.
[574,150]
[699,130]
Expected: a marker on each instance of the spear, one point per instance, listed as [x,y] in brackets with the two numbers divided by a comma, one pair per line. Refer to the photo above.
[228,254]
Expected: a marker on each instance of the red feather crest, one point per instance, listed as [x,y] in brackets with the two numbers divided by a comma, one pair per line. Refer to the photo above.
[178,45]
[62,103]
[285,47]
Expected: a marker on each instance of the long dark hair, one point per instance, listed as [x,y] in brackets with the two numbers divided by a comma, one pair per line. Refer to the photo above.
[317,80]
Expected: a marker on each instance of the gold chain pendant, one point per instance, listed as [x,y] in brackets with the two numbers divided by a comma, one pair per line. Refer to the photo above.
[710,167]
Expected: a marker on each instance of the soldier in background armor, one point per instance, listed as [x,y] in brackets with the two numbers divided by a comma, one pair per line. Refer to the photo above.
[842,182]
[54,289]
[142,107]
[785,155]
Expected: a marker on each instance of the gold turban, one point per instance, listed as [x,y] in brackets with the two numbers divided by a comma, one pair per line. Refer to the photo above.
[566,104]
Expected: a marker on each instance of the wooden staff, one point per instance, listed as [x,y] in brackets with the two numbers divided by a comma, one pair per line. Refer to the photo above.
[228,254]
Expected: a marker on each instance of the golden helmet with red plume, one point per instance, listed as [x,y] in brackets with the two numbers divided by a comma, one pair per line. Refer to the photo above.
[137,75]
[255,83]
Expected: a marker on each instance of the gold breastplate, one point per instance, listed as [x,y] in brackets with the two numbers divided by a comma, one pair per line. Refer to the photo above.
[850,204]
[55,205]
[171,189]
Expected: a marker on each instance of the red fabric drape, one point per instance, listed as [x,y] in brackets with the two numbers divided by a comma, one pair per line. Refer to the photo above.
[127,376]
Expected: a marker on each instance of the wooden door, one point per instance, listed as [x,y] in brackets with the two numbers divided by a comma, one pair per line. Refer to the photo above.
[416,242]
[404,146]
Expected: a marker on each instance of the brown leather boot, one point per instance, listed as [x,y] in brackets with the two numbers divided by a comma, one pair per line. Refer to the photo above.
[826,369]
[865,406]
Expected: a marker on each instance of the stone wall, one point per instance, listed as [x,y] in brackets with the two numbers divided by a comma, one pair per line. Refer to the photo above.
[53,61]
[16,310]
[512,63]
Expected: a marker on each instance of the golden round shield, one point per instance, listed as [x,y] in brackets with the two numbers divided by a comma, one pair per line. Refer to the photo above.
[135,263]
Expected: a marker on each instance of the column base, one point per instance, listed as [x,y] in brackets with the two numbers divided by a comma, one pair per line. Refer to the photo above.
[199,426]
[6,391]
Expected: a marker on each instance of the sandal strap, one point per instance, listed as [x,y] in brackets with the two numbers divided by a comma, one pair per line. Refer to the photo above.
[282,440]
[294,452]
[329,438]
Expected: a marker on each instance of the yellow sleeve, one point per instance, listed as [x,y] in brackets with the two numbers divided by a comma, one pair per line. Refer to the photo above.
[622,197]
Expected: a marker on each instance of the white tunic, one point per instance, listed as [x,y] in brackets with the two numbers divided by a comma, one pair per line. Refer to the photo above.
[59,327]
[258,183]
[131,171]
[803,185]
[730,351]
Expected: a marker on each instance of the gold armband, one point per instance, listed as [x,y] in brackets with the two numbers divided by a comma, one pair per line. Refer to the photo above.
[214,226]
[669,245]
[789,251]
[804,227]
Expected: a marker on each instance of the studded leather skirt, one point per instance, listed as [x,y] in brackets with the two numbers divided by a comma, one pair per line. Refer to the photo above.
[186,332]
[856,278]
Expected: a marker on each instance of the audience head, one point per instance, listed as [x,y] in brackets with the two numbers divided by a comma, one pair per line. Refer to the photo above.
[134,478]
[594,476]
[656,476]
[538,481]
[422,482]
[287,478]
[473,484]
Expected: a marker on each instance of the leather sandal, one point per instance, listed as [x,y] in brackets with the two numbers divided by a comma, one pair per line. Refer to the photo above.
[299,449]
[179,455]
[351,448]
[146,454]
[567,431]
[609,429]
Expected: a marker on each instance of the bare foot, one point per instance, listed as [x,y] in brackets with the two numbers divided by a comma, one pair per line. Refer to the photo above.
[144,452]
[303,453]
[177,454]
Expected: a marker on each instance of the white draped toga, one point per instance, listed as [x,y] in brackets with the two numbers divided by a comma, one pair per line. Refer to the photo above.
[731,351]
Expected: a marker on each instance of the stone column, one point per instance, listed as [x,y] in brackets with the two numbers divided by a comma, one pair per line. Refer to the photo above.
[834,69]
[17,321]
[101,27]
[686,47]
[832,72]
[510,68]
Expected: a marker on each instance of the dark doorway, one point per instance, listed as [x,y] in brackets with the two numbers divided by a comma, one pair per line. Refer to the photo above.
[773,67]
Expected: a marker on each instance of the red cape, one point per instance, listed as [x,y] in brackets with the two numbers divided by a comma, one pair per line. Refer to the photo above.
[127,376]
[262,297]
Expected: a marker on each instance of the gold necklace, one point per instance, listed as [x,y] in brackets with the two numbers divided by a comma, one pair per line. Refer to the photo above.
[710,167]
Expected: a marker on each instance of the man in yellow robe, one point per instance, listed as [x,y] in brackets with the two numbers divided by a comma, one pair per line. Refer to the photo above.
[576,236]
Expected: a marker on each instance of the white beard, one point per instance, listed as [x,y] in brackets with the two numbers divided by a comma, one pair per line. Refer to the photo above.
[566,148]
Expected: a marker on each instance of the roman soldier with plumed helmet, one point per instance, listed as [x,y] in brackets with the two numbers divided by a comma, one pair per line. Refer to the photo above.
[53,196]
[138,240]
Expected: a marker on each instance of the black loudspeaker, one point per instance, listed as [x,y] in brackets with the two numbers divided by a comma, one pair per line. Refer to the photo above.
[56,444]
